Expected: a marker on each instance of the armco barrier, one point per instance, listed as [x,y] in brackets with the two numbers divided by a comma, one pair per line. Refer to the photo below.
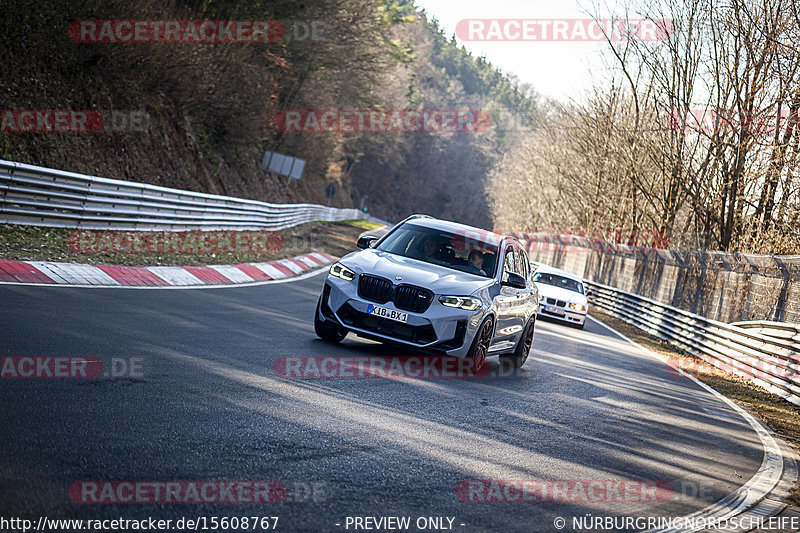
[764,351]
[779,330]
[40,196]
[772,362]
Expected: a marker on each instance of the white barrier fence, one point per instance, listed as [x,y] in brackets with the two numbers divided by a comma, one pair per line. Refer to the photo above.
[779,330]
[766,352]
[41,196]
[769,360]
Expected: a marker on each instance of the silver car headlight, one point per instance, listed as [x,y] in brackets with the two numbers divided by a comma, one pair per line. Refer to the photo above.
[340,271]
[468,303]
[577,307]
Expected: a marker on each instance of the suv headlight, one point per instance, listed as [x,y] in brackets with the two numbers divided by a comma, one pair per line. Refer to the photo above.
[467,303]
[340,271]
[577,307]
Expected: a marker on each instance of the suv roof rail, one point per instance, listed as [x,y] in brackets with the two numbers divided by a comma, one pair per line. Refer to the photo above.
[418,215]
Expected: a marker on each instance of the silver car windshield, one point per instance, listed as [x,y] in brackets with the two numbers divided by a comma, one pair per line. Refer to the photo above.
[471,252]
[558,281]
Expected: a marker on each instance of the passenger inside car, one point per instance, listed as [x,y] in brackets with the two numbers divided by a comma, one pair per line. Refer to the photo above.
[489,260]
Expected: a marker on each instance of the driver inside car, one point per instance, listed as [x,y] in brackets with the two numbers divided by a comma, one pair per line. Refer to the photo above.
[430,249]
[476,261]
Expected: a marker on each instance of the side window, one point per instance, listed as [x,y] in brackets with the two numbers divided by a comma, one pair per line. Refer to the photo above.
[510,262]
[524,265]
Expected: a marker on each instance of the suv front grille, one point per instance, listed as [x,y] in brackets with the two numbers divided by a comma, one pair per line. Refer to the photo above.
[374,289]
[406,297]
[414,299]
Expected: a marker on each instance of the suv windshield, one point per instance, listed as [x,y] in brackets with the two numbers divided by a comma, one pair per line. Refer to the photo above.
[558,281]
[474,252]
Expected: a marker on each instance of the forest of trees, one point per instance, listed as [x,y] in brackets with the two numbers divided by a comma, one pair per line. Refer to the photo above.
[695,137]
[211,107]
[404,62]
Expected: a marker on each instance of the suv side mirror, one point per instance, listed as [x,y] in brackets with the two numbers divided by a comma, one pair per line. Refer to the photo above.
[515,280]
[366,241]
[588,293]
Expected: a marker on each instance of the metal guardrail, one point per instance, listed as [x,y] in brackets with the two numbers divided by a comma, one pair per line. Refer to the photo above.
[779,330]
[771,362]
[41,196]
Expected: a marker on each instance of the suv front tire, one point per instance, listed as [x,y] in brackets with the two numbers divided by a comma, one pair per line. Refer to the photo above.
[325,329]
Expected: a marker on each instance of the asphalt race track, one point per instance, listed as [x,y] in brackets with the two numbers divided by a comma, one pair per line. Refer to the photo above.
[205,404]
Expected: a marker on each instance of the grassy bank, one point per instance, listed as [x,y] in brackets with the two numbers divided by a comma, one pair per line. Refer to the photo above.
[29,243]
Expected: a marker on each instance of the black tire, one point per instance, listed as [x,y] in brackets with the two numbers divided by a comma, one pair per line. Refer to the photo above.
[523,348]
[325,329]
[480,344]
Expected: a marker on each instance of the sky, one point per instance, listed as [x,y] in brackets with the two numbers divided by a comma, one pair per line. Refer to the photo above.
[561,70]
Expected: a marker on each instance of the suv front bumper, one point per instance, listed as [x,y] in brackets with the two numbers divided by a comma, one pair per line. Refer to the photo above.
[440,328]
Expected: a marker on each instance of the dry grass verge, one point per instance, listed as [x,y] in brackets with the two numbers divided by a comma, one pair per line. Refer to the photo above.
[29,243]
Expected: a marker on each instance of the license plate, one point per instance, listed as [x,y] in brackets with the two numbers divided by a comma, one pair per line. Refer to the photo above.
[391,314]
[554,310]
